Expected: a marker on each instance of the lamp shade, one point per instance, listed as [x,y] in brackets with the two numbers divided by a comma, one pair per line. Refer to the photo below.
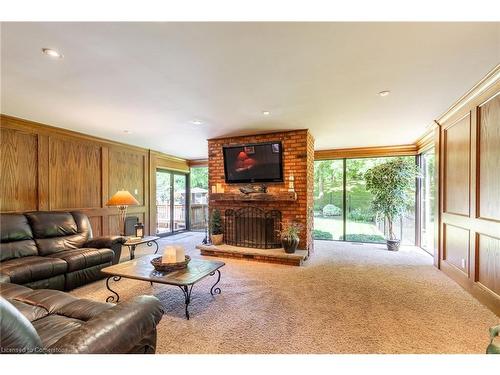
[122,198]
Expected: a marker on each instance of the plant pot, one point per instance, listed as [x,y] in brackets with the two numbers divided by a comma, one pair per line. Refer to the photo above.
[393,245]
[217,239]
[290,245]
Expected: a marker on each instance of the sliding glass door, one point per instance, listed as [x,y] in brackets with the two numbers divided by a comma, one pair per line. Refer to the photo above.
[198,211]
[329,200]
[171,202]
[179,216]
[342,205]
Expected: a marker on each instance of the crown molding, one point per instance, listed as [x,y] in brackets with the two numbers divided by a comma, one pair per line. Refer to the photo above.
[365,152]
[486,83]
[198,163]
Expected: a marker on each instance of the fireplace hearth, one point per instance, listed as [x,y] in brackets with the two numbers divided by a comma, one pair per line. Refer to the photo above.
[252,227]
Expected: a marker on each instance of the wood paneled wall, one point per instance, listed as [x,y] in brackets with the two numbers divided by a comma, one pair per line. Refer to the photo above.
[48,168]
[470,195]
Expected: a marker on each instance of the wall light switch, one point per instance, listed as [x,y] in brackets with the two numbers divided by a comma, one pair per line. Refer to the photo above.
[463,263]
[136,191]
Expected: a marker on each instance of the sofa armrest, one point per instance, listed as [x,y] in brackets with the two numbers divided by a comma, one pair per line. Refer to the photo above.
[116,330]
[105,242]
[108,242]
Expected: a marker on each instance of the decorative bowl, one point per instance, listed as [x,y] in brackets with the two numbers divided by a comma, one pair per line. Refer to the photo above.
[169,267]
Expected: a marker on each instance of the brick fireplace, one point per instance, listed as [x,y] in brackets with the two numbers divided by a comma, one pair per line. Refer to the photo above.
[298,160]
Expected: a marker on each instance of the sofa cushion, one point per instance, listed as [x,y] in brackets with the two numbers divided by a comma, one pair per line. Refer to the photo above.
[31,312]
[16,238]
[58,231]
[51,328]
[52,224]
[32,268]
[9,290]
[41,302]
[79,259]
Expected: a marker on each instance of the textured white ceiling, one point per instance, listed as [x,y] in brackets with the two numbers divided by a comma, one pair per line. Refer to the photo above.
[155,78]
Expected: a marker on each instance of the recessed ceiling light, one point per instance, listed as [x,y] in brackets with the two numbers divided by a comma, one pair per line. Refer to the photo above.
[384,93]
[196,122]
[266,113]
[127,131]
[52,53]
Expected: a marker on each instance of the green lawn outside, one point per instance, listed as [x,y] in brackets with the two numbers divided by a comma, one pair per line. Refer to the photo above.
[333,225]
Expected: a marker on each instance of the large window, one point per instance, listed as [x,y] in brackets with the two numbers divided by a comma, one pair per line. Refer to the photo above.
[342,205]
[427,200]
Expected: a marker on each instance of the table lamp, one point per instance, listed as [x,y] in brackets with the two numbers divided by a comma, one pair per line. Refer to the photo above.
[122,199]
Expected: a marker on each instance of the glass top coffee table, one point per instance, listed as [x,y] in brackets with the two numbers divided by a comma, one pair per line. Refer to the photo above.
[142,269]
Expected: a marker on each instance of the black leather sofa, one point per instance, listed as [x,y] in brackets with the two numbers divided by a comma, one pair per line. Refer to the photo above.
[54,322]
[53,250]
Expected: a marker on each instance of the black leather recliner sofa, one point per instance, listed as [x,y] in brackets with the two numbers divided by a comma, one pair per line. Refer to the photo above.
[51,321]
[53,250]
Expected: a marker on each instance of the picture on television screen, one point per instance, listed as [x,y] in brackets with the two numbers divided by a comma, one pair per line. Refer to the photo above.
[253,163]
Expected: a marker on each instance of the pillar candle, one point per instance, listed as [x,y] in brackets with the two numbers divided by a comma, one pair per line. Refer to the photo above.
[180,254]
[169,255]
[291,180]
[214,189]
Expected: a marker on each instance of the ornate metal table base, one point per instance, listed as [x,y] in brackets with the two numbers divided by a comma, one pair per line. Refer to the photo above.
[187,296]
[112,298]
[213,289]
[186,290]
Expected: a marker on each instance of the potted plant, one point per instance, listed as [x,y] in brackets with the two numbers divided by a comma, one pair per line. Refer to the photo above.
[216,228]
[290,236]
[391,184]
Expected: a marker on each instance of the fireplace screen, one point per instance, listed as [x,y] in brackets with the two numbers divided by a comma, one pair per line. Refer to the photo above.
[252,227]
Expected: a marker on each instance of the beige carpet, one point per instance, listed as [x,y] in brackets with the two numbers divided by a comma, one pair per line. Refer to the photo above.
[349,298]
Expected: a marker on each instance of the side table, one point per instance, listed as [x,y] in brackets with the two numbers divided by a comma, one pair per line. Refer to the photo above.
[148,240]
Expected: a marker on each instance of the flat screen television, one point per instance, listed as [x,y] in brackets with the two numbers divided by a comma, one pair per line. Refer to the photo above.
[258,162]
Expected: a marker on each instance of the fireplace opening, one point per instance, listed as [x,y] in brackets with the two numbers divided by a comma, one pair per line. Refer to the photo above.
[252,227]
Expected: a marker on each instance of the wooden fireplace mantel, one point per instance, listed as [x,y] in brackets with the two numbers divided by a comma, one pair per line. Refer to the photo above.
[255,197]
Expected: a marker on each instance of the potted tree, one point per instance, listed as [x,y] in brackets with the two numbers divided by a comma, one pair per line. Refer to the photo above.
[290,236]
[216,228]
[390,184]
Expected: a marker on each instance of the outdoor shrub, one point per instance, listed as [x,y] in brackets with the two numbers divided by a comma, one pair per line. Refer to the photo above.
[322,235]
[360,215]
[331,210]
[364,238]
